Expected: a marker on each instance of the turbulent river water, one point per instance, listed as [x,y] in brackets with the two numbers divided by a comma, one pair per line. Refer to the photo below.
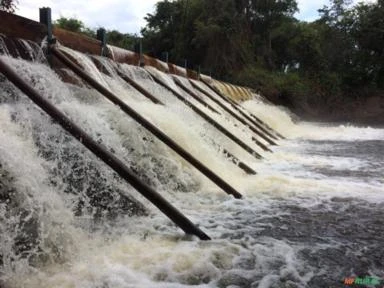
[311,217]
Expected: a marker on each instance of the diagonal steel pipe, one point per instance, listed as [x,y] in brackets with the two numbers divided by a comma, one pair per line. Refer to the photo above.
[148,125]
[102,152]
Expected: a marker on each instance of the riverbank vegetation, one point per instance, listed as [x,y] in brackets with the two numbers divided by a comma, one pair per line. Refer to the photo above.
[330,68]
[313,67]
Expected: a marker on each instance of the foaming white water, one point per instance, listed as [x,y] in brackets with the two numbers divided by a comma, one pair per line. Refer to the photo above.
[197,136]
[253,245]
[229,123]
[280,119]
[42,210]
[86,63]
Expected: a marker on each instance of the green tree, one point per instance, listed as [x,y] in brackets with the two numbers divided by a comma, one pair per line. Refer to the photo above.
[334,14]
[74,25]
[366,26]
[259,43]
[126,41]
[222,38]
[160,32]
[266,16]
[71,24]
[8,5]
[283,37]
[352,39]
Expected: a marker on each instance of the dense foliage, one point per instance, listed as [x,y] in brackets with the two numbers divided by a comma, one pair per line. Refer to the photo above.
[259,43]
[8,5]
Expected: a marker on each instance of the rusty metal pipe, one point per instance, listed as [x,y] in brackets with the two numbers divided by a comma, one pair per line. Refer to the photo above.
[207,118]
[102,152]
[241,120]
[148,125]
[258,124]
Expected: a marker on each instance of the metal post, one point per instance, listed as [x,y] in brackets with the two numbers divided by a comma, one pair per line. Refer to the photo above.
[141,61]
[164,57]
[101,35]
[46,19]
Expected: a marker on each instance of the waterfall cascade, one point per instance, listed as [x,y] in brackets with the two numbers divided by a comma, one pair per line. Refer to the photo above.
[85,185]
[68,220]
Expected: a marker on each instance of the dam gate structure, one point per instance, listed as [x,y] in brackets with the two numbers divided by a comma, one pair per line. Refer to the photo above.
[238,130]
[120,170]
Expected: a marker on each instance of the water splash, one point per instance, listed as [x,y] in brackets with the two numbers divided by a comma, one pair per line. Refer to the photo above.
[63,224]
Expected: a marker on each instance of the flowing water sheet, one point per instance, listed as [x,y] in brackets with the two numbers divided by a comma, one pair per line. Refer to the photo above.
[311,217]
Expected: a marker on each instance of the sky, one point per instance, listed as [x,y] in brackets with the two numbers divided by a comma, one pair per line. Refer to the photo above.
[126,16]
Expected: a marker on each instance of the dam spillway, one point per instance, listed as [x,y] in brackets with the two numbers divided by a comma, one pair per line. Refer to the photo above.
[64,223]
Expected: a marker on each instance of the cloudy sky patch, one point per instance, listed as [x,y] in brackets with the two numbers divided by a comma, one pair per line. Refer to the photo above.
[126,16]
[123,15]
[308,9]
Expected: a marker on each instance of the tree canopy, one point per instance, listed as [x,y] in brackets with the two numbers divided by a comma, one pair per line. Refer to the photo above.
[224,35]
[235,39]
[260,44]
[8,5]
